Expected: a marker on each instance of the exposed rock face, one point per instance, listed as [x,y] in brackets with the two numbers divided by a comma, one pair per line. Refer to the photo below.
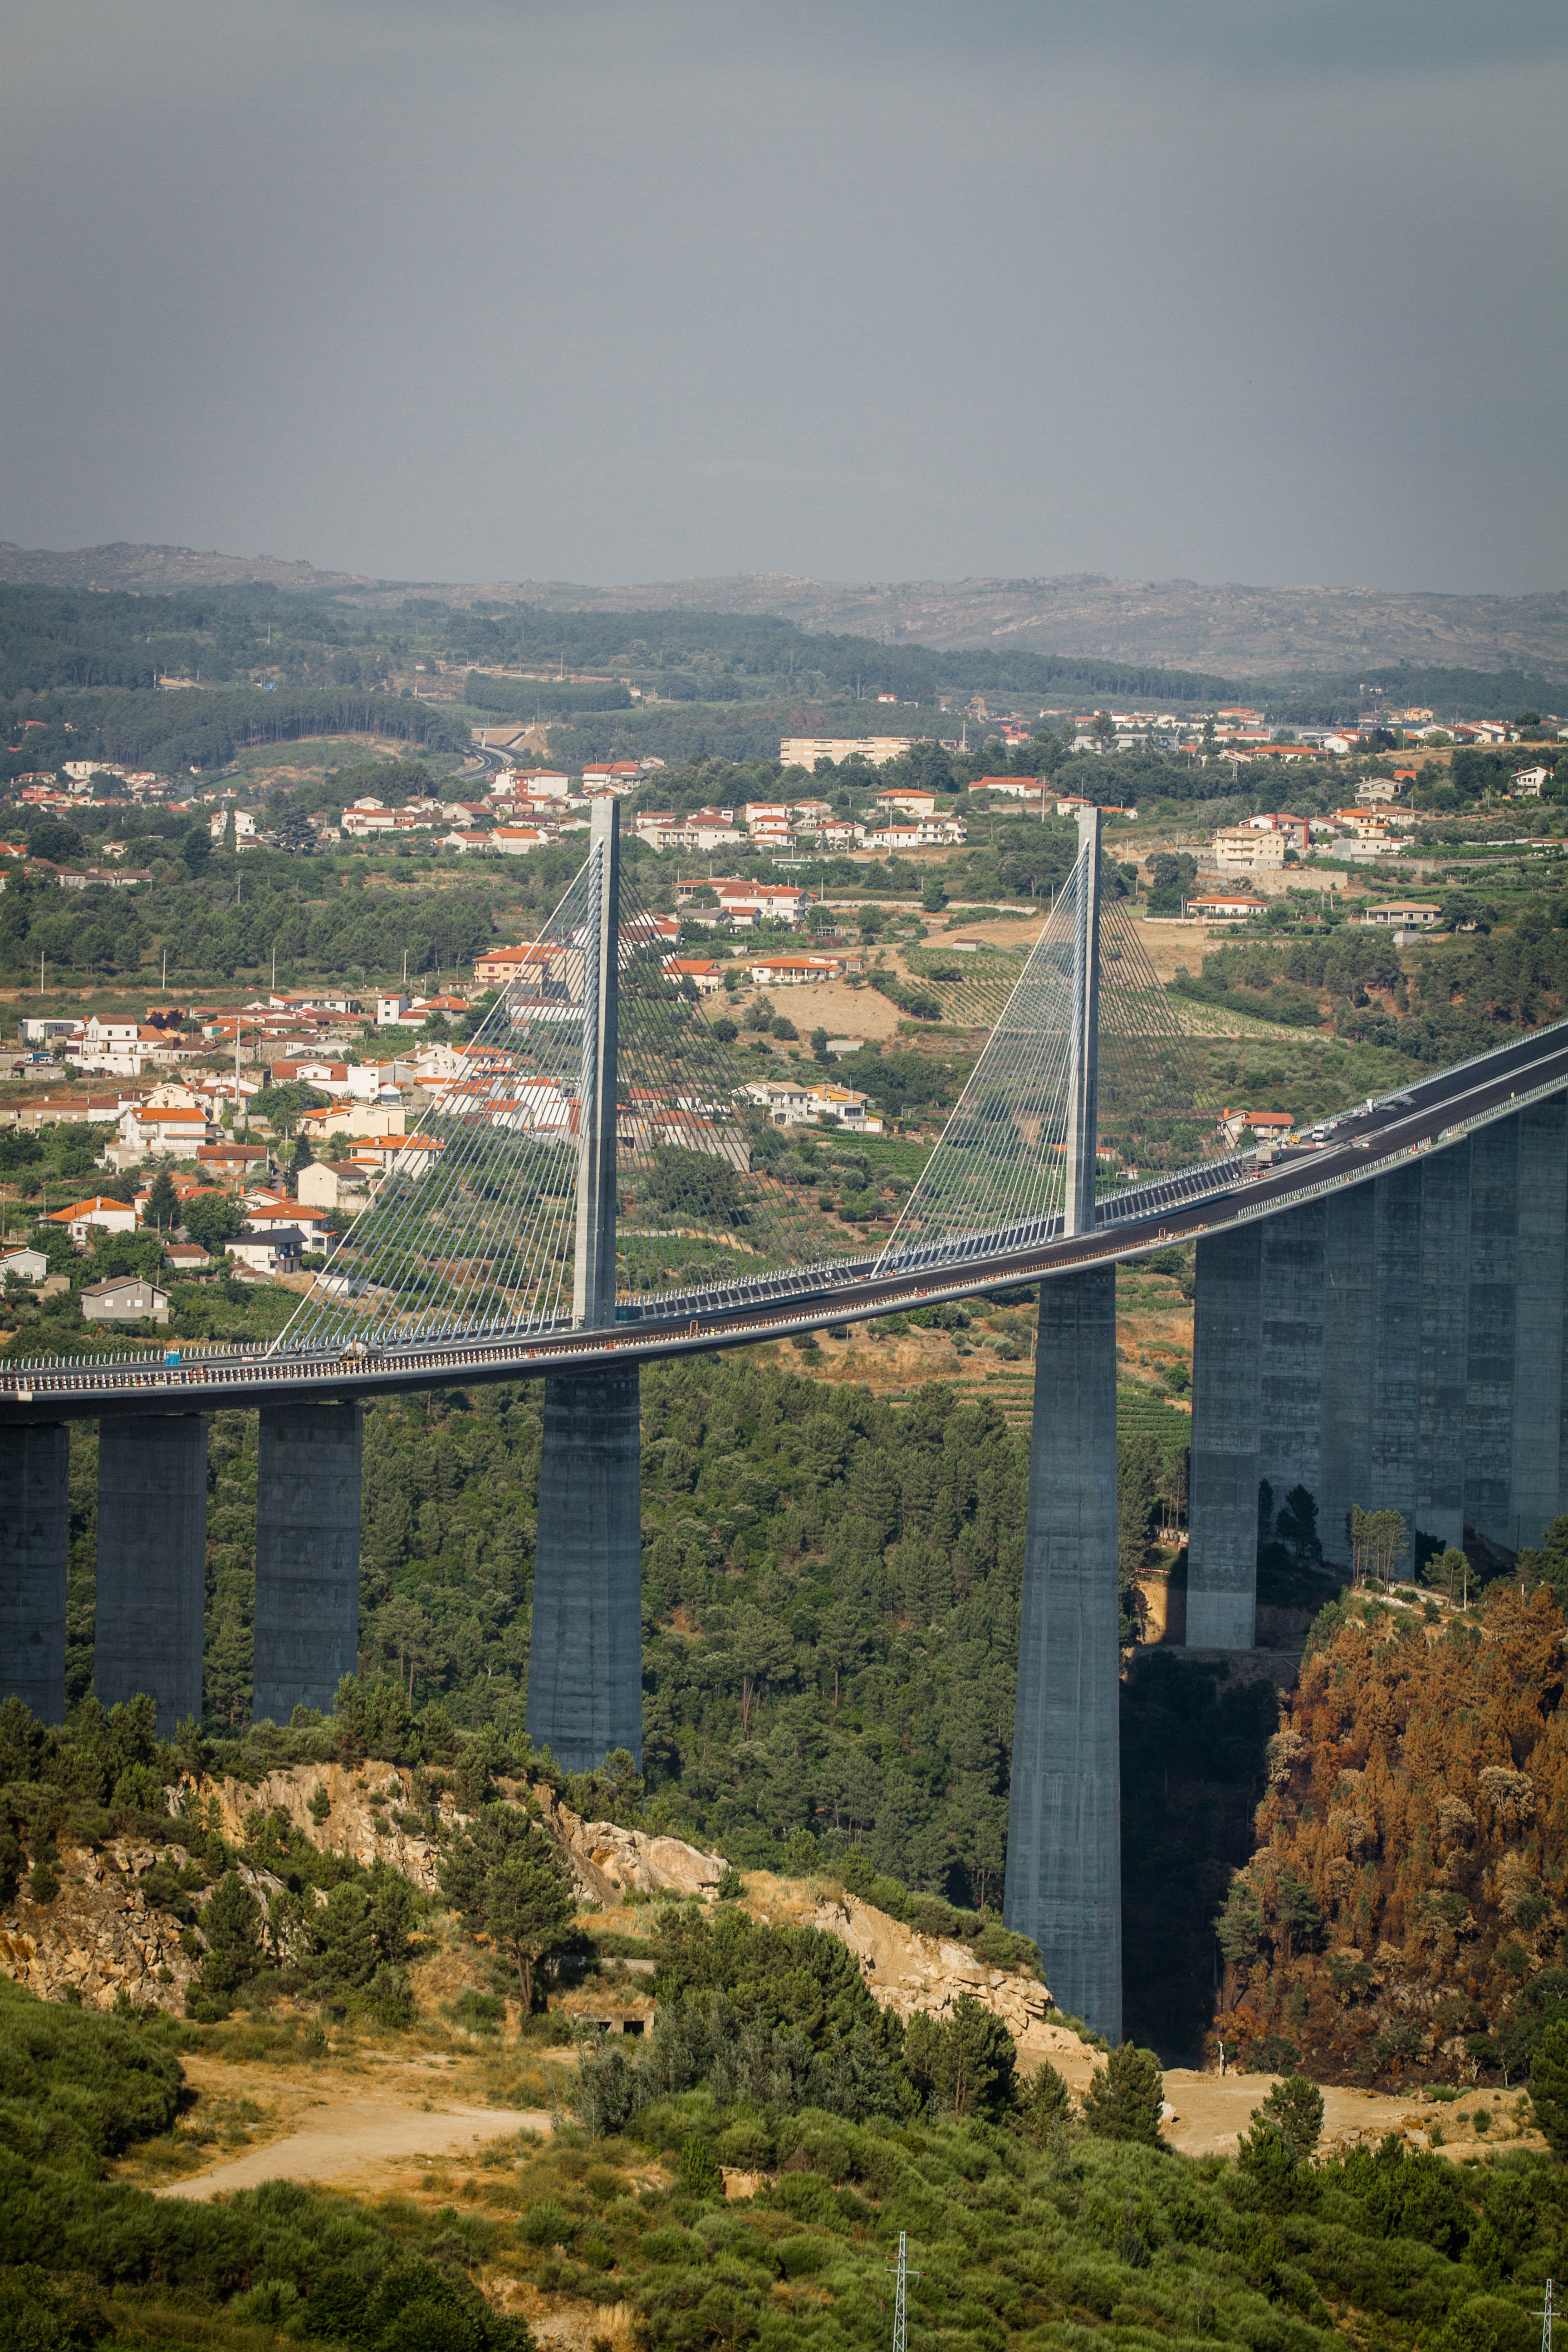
[905,1971]
[100,1936]
[609,1862]
[369,1816]
[365,1802]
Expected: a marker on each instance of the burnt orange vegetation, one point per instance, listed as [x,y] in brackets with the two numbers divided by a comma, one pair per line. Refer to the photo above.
[1405,1914]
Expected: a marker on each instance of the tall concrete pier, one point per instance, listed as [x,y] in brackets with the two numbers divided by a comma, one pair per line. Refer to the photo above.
[1063,1813]
[1394,1430]
[1222,1515]
[585,1660]
[307,1556]
[152,1562]
[1290,1352]
[1445,1344]
[35,1535]
[1539,1331]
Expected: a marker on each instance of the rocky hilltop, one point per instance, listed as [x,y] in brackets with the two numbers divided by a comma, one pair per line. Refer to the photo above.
[105,1937]
[1230,626]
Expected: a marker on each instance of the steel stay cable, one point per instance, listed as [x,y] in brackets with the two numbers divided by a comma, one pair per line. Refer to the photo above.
[934,1198]
[474,1100]
[526,1154]
[990,1069]
[509,1143]
[375,1249]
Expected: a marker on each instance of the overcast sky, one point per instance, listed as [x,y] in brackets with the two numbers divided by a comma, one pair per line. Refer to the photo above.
[1250,290]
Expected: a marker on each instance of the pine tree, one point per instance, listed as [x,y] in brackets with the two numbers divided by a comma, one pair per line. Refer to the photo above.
[1124,2100]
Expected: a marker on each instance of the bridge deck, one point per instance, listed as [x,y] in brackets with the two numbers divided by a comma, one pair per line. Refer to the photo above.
[1428,1114]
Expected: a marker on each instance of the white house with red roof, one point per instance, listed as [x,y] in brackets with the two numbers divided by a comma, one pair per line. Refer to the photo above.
[97,1215]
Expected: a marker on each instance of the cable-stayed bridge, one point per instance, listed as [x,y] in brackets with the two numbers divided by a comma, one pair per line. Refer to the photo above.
[1379,1318]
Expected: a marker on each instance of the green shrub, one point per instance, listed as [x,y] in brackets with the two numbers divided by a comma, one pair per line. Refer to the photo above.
[77,2085]
[699,2174]
[548,2223]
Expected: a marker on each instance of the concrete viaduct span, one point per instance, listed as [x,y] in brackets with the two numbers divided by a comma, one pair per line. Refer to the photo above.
[1379,1317]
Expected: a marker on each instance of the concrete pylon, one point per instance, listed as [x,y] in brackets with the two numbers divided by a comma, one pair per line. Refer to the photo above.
[35,1536]
[307,1556]
[152,1562]
[1064,1809]
[594,1258]
[584,1658]
[1083,1045]
[1222,1510]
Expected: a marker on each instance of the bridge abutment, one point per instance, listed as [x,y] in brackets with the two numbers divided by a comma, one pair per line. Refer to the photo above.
[35,1536]
[1064,1812]
[1222,1512]
[585,1660]
[152,1562]
[307,1555]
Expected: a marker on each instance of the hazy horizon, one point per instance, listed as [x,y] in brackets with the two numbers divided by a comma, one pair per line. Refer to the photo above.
[606,295]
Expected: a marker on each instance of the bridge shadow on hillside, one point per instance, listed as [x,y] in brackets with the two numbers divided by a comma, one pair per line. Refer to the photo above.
[1195,1729]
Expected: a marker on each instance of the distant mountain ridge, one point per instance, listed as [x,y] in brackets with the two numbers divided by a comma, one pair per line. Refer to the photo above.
[1246,631]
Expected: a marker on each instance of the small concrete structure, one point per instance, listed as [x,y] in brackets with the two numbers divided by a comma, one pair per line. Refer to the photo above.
[307,1556]
[1064,1812]
[35,1533]
[585,1660]
[152,1562]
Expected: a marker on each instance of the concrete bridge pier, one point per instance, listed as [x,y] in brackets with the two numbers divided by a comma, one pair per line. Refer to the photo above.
[1222,1508]
[1393,1431]
[1492,1337]
[1350,1336]
[152,1562]
[1539,1329]
[1445,1344]
[35,1535]
[1290,1352]
[307,1555]
[584,1659]
[1064,1814]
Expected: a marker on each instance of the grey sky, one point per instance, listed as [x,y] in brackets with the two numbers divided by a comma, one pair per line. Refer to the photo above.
[1261,290]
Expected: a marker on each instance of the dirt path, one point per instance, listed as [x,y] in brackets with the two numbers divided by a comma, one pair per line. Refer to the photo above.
[1211,2114]
[357,2142]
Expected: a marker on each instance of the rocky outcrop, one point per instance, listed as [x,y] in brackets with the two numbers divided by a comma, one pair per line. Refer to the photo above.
[366,1812]
[100,1936]
[609,1862]
[909,1972]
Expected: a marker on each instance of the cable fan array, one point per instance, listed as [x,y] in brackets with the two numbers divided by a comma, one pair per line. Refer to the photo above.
[473,1228]
[999,1169]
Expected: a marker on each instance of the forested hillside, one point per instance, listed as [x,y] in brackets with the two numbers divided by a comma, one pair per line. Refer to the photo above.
[1451,999]
[1403,1915]
[830,1593]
